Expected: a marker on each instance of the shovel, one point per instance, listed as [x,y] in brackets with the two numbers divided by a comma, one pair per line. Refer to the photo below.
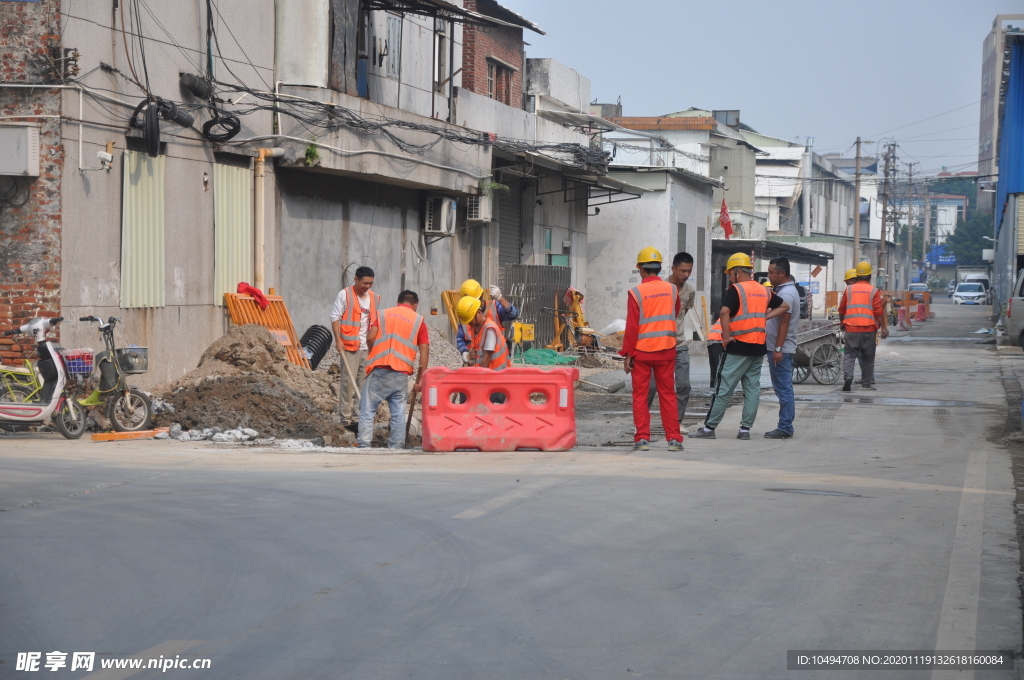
[408,419]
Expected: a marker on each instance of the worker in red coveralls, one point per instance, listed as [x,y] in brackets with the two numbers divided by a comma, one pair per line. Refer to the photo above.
[649,346]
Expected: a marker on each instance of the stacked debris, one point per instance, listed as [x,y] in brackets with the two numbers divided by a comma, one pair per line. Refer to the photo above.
[244,380]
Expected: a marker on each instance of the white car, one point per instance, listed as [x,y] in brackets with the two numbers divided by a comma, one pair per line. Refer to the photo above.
[970,293]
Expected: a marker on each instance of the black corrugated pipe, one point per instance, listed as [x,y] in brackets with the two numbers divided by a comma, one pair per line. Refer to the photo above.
[316,341]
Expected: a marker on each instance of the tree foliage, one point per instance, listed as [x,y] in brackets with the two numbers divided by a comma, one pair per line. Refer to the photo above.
[966,242]
[958,186]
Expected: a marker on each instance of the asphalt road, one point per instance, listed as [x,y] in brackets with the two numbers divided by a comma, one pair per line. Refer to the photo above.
[886,524]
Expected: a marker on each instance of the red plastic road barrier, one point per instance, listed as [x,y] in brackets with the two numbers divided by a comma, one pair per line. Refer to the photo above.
[922,312]
[538,412]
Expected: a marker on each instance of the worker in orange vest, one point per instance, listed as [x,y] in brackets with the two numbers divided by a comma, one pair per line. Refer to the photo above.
[393,340]
[746,307]
[862,315]
[499,310]
[485,335]
[649,346]
[354,309]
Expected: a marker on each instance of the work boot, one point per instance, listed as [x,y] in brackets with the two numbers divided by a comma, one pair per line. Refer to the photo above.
[777,434]
[703,433]
[675,445]
[868,386]
[846,384]
[743,434]
[642,445]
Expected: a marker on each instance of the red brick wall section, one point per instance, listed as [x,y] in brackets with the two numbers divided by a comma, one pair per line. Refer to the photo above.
[30,235]
[479,42]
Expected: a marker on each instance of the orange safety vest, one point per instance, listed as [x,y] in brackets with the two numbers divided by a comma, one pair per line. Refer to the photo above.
[499,358]
[860,312]
[749,319]
[395,347]
[353,315]
[656,330]
[715,334]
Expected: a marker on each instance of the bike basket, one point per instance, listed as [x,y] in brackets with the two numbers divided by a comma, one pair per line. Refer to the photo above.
[79,361]
[133,359]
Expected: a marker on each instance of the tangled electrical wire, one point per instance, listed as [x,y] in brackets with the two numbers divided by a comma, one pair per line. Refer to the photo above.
[320,118]
[10,196]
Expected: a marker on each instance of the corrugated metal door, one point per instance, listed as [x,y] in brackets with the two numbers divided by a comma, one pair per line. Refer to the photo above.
[232,229]
[142,231]
[510,221]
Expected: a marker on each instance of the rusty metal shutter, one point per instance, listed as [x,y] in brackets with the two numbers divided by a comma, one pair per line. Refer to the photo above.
[510,224]
[232,229]
[142,230]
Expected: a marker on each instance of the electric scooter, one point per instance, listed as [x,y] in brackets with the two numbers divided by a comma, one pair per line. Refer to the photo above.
[53,401]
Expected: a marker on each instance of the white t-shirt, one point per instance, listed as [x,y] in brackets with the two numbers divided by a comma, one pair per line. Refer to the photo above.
[490,340]
[341,306]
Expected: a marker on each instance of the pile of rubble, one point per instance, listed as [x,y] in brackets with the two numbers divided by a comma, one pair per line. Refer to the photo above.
[245,388]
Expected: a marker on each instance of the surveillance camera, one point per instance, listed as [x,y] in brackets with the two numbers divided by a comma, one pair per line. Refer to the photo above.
[105,157]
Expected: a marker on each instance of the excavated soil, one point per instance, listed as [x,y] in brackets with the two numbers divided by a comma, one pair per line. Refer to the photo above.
[244,379]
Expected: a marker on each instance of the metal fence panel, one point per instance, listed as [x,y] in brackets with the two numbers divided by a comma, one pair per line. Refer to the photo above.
[233,238]
[539,284]
[142,231]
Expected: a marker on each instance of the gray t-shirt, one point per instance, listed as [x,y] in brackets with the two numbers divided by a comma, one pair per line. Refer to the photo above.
[787,292]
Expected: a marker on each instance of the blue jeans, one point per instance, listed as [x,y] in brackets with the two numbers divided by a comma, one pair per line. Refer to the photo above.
[383,384]
[782,383]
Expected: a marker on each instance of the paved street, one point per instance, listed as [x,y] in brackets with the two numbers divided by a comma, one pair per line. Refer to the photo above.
[887,523]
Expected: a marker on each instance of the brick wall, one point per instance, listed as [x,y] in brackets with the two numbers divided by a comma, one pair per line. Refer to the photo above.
[30,240]
[480,42]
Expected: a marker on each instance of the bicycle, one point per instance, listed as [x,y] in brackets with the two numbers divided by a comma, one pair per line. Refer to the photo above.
[19,383]
[127,408]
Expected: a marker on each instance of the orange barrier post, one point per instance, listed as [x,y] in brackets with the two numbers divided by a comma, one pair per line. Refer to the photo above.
[275,318]
[462,409]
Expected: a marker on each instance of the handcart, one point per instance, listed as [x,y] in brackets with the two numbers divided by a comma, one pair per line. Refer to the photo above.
[818,354]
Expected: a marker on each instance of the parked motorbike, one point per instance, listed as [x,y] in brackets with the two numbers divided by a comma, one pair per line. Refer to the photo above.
[128,409]
[53,401]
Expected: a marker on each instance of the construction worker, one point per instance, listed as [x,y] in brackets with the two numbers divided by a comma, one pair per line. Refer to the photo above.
[715,350]
[746,307]
[498,310]
[649,346]
[393,340]
[487,344]
[350,322]
[862,315]
[780,339]
[682,267]
[850,277]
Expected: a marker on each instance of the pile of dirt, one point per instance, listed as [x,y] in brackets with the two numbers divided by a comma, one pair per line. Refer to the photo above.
[244,379]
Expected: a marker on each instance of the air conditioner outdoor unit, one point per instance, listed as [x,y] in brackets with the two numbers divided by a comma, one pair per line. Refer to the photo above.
[478,208]
[440,216]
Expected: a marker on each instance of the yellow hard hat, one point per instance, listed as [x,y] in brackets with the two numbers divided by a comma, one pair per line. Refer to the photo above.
[467,307]
[767,284]
[739,260]
[649,254]
[850,274]
[472,288]
[863,269]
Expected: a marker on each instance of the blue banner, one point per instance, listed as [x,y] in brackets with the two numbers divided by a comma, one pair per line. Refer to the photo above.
[939,255]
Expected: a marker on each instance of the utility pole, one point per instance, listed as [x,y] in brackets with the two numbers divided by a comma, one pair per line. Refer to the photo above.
[890,158]
[856,209]
[911,219]
[806,163]
[927,227]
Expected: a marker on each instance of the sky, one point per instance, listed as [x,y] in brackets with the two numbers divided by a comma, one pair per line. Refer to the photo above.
[880,69]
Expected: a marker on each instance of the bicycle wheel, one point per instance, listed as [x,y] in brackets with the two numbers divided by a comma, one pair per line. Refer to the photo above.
[800,373]
[826,364]
[15,393]
[129,412]
[70,419]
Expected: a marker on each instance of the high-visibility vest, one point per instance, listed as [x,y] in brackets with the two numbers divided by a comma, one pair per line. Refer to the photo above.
[656,330]
[395,348]
[353,315]
[490,312]
[715,334]
[860,312]
[499,358]
[748,324]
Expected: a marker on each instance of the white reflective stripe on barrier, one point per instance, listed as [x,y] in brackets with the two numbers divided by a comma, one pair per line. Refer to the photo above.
[563,398]
[433,397]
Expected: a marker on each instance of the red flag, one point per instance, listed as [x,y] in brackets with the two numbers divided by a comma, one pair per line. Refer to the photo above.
[725,220]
